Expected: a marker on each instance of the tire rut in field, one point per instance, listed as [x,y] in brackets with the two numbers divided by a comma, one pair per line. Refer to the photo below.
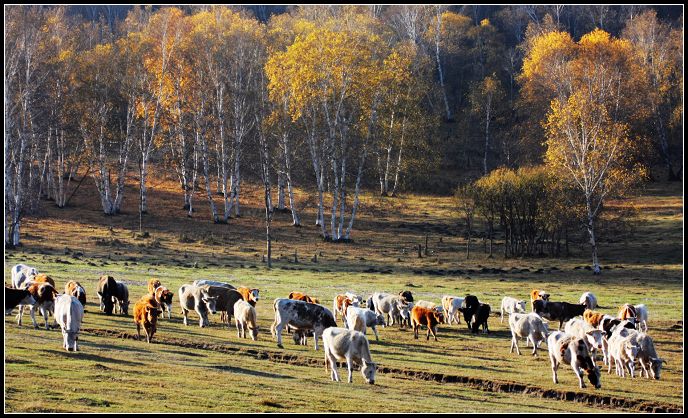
[473,382]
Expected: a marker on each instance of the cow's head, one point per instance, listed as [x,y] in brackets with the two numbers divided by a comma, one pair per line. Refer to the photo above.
[379,319]
[368,371]
[406,294]
[152,313]
[254,295]
[521,306]
[210,302]
[124,306]
[594,376]
[439,316]
[656,367]
[594,338]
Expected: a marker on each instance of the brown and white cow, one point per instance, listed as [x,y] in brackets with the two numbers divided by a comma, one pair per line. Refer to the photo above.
[428,317]
[339,305]
[164,298]
[146,312]
[593,318]
[252,296]
[564,348]
[44,294]
[627,311]
[74,288]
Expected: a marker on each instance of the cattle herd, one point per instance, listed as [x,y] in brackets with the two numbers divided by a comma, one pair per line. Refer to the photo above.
[620,340]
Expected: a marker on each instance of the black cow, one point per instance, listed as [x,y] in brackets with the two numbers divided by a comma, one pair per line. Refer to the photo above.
[14,297]
[558,311]
[107,288]
[480,318]
[406,294]
[469,308]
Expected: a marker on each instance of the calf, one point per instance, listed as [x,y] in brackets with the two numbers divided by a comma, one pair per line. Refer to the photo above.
[146,312]
[14,297]
[252,296]
[300,315]
[303,297]
[452,308]
[69,313]
[589,300]
[359,318]
[21,274]
[511,305]
[44,294]
[152,285]
[558,311]
[245,318]
[75,289]
[107,286]
[164,298]
[428,317]
[528,325]
[564,348]
[197,298]
[593,337]
[120,297]
[351,346]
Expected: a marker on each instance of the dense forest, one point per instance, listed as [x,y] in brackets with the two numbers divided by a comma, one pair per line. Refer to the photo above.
[513,108]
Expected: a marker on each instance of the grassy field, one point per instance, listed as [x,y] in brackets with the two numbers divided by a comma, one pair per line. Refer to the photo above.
[210,369]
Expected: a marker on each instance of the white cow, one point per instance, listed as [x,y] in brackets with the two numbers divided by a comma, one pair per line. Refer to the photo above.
[69,313]
[528,325]
[623,351]
[648,358]
[197,298]
[564,348]
[641,317]
[511,305]
[360,318]
[245,318]
[452,307]
[425,304]
[21,274]
[341,344]
[594,337]
[589,300]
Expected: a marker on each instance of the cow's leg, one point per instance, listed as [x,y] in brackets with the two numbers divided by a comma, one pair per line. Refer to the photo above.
[514,343]
[501,316]
[236,322]
[186,316]
[278,331]
[19,315]
[350,367]
[415,330]
[577,371]
[138,331]
[316,331]
[375,332]
[333,363]
[33,316]
[532,338]
[631,367]
[555,366]
[434,332]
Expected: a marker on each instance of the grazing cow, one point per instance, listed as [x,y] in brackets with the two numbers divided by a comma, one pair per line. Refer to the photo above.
[14,297]
[558,311]
[641,317]
[197,298]
[106,290]
[341,344]
[245,318]
[21,274]
[589,300]
[212,283]
[536,294]
[300,315]
[303,297]
[75,289]
[406,295]
[623,351]
[511,305]
[339,305]
[252,296]
[609,324]
[627,311]
[164,298]
[360,318]
[452,308]
[152,285]
[648,358]
[564,348]
[529,325]
[146,312]
[593,318]
[44,294]
[428,317]
[300,336]
[69,312]
[120,297]
[593,337]
[388,306]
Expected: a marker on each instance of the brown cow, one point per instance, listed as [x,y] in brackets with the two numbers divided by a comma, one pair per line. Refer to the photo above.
[43,278]
[44,294]
[593,318]
[75,289]
[250,295]
[146,313]
[152,285]
[428,317]
[302,296]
